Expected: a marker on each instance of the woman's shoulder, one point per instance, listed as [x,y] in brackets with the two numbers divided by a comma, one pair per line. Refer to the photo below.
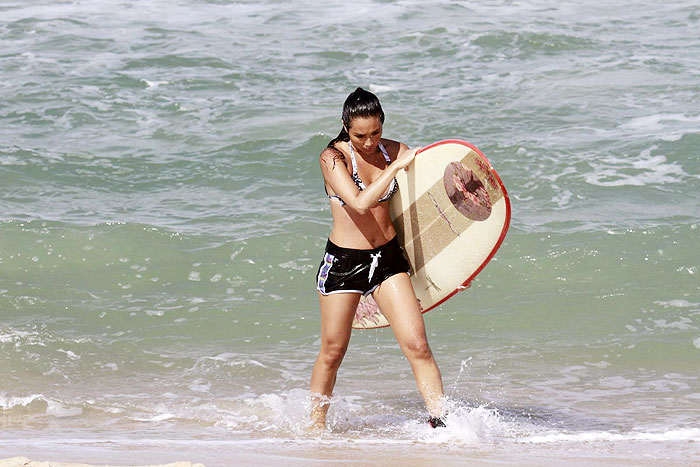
[339,147]
[332,155]
[393,148]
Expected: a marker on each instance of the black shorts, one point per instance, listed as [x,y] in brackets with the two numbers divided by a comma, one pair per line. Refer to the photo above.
[346,270]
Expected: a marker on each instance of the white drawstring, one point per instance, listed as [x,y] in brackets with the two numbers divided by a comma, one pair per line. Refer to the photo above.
[375,263]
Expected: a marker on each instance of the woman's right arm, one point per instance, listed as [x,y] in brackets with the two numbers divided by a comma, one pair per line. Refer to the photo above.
[338,178]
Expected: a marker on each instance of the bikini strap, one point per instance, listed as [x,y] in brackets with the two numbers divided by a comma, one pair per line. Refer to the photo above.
[352,157]
[386,155]
[355,176]
[354,163]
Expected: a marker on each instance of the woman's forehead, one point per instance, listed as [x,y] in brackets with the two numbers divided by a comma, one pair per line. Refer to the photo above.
[365,124]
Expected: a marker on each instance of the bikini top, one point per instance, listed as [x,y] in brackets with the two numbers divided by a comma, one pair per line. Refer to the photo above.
[391,191]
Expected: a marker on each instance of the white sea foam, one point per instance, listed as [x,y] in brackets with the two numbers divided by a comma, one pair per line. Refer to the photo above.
[696,342]
[57,409]
[295,266]
[284,412]
[466,426]
[9,402]
[677,303]
[230,359]
[288,412]
[646,169]
[194,276]
[600,364]
[616,382]
[200,385]
[70,354]
[669,126]
[562,198]
[378,88]
[681,323]
[13,336]
[689,434]
[155,418]
[154,84]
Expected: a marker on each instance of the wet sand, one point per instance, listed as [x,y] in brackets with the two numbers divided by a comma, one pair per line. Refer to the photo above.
[24,462]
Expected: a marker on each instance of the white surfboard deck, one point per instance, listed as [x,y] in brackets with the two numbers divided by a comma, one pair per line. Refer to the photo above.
[451,214]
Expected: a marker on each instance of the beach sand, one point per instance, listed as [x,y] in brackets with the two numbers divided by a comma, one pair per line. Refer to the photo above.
[415,455]
[24,462]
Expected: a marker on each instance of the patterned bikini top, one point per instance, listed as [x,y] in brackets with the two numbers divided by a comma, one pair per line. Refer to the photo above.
[391,191]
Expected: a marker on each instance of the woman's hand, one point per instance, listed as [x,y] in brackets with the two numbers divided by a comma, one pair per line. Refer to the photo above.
[406,158]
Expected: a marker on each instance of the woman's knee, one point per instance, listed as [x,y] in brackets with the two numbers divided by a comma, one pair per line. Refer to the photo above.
[417,348]
[332,354]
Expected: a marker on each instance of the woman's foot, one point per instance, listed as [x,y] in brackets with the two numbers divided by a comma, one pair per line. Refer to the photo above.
[436,422]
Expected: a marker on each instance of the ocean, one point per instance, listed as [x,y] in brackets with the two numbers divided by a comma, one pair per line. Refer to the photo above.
[162,217]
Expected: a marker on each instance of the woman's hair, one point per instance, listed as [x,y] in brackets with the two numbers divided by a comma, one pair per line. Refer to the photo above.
[360,103]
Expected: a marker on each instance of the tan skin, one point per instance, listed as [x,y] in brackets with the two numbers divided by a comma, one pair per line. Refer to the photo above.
[364,223]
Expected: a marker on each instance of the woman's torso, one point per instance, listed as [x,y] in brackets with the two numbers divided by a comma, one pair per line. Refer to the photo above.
[374,228]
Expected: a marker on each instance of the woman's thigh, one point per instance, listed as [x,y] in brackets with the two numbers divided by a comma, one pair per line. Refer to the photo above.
[397,301]
[337,313]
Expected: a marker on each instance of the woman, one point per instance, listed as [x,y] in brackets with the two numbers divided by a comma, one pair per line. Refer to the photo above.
[363,255]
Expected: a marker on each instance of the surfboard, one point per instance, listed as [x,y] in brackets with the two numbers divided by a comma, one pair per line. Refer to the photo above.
[451,214]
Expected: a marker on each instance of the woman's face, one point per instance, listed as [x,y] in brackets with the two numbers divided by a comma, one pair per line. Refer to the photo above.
[365,133]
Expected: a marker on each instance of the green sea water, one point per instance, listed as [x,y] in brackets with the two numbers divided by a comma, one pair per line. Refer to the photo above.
[162,217]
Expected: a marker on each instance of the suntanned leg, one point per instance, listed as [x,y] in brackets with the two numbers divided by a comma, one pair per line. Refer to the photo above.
[337,312]
[398,303]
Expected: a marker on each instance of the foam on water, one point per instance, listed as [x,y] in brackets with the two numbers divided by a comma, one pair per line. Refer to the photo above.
[10,402]
[646,169]
[669,127]
[690,434]
[285,415]
[283,418]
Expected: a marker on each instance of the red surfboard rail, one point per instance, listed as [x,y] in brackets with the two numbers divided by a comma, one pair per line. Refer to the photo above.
[506,224]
